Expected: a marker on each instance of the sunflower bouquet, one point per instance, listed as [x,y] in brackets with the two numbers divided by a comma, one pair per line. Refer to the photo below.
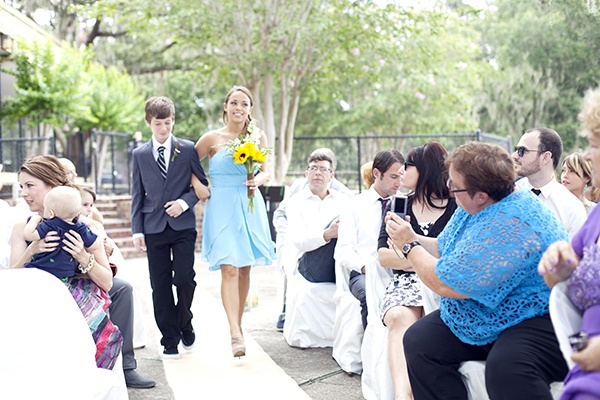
[246,150]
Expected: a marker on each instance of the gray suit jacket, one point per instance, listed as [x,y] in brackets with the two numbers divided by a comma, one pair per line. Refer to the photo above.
[150,191]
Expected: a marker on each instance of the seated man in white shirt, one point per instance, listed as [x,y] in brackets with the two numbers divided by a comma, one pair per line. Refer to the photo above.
[536,157]
[280,221]
[360,224]
[313,219]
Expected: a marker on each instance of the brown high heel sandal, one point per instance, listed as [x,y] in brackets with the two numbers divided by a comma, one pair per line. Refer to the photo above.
[238,348]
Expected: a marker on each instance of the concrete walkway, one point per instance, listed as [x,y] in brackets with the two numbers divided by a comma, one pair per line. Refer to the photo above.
[210,371]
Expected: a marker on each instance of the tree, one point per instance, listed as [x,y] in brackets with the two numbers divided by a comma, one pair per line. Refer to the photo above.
[543,51]
[284,50]
[49,91]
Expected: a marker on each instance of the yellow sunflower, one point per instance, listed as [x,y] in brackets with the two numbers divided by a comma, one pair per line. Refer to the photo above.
[258,156]
[240,155]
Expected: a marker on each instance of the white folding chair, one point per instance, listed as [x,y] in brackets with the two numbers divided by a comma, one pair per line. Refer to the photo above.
[376,379]
[473,372]
[348,330]
[45,337]
[310,313]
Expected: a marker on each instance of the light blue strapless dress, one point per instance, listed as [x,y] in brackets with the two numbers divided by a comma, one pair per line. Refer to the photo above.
[230,234]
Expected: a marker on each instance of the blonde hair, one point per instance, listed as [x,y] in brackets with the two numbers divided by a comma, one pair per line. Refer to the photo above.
[579,166]
[366,172]
[590,112]
[65,201]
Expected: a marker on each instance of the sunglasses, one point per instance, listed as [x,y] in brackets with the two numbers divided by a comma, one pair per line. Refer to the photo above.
[408,164]
[520,150]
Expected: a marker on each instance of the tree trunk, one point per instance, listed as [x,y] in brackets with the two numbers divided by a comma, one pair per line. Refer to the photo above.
[269,125]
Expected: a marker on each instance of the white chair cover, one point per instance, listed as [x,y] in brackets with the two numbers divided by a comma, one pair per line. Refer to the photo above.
[48,351]
[566,319]
[139,332]
[473,372]
[310,313]
[376,378]
[348,330]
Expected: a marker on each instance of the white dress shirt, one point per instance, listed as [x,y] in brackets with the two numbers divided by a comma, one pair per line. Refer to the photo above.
[567,207]
[359,231]
[307,217]
[166,145]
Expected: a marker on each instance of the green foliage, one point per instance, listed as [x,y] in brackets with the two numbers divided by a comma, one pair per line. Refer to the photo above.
[545,54]
[47,89]
[68,92]
[408,73]
[115,102]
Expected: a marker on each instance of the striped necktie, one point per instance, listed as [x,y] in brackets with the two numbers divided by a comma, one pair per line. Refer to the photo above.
[162,166]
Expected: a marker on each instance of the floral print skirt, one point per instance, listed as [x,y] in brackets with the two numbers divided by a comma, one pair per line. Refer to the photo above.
[403,290]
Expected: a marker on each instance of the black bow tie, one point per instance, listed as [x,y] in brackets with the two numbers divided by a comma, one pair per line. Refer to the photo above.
[536,191]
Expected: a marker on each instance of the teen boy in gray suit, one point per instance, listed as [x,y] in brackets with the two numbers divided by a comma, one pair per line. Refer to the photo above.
[163,222]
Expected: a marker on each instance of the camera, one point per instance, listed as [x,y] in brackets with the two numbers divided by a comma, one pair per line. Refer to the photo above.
[399,205]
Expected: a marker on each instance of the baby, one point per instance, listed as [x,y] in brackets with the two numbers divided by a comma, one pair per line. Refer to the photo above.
[62,206]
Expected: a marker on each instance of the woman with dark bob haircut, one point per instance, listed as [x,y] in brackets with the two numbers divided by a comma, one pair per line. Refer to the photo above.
[430,208]
[494,304]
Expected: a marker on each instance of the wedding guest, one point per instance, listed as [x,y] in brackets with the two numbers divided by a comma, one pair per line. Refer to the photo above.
[430,207]
[280,218]
[494,304]
[577,177]
[62,206]
[578,262]
[234,239]
[122,310]
[366,173]
[71,176]
[361,221]
[37,176]
[536,157]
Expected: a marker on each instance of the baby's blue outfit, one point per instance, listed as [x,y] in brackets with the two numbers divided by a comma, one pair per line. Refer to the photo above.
[230,234]
[58,262]
[505,242]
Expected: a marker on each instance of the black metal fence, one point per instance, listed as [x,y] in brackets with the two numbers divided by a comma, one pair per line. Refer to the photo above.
[103,159]
[353,151]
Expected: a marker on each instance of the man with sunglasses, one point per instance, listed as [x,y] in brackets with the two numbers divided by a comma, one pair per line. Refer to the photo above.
[536,157]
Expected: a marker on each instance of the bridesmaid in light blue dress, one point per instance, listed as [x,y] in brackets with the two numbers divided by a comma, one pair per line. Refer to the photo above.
[233,239]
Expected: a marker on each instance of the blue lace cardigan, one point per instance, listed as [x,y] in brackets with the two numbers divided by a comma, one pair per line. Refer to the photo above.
[492,258]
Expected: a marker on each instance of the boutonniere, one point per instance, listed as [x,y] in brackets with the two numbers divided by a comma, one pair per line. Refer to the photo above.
[175,152]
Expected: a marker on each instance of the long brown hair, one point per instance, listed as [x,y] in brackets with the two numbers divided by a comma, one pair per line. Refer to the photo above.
[247,93]
[47,168]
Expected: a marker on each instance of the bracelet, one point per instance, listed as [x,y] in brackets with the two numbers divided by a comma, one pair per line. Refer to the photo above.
[91,264]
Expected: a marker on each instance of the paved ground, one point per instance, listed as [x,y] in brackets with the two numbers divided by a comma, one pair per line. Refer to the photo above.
[272,369]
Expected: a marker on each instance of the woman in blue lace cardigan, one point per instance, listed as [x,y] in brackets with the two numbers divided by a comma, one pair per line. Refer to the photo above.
[494,304]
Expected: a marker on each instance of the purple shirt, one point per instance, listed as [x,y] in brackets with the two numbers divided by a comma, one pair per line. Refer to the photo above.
[584,283]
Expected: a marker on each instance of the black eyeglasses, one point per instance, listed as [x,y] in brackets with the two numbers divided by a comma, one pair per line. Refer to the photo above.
[520,150]
[450,185]
[408,164]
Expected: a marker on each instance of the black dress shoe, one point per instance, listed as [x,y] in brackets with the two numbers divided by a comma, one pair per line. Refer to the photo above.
[137,381]
[171,353]
[188,337]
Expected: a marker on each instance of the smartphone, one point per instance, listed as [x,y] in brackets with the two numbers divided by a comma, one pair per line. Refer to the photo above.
[399,205]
